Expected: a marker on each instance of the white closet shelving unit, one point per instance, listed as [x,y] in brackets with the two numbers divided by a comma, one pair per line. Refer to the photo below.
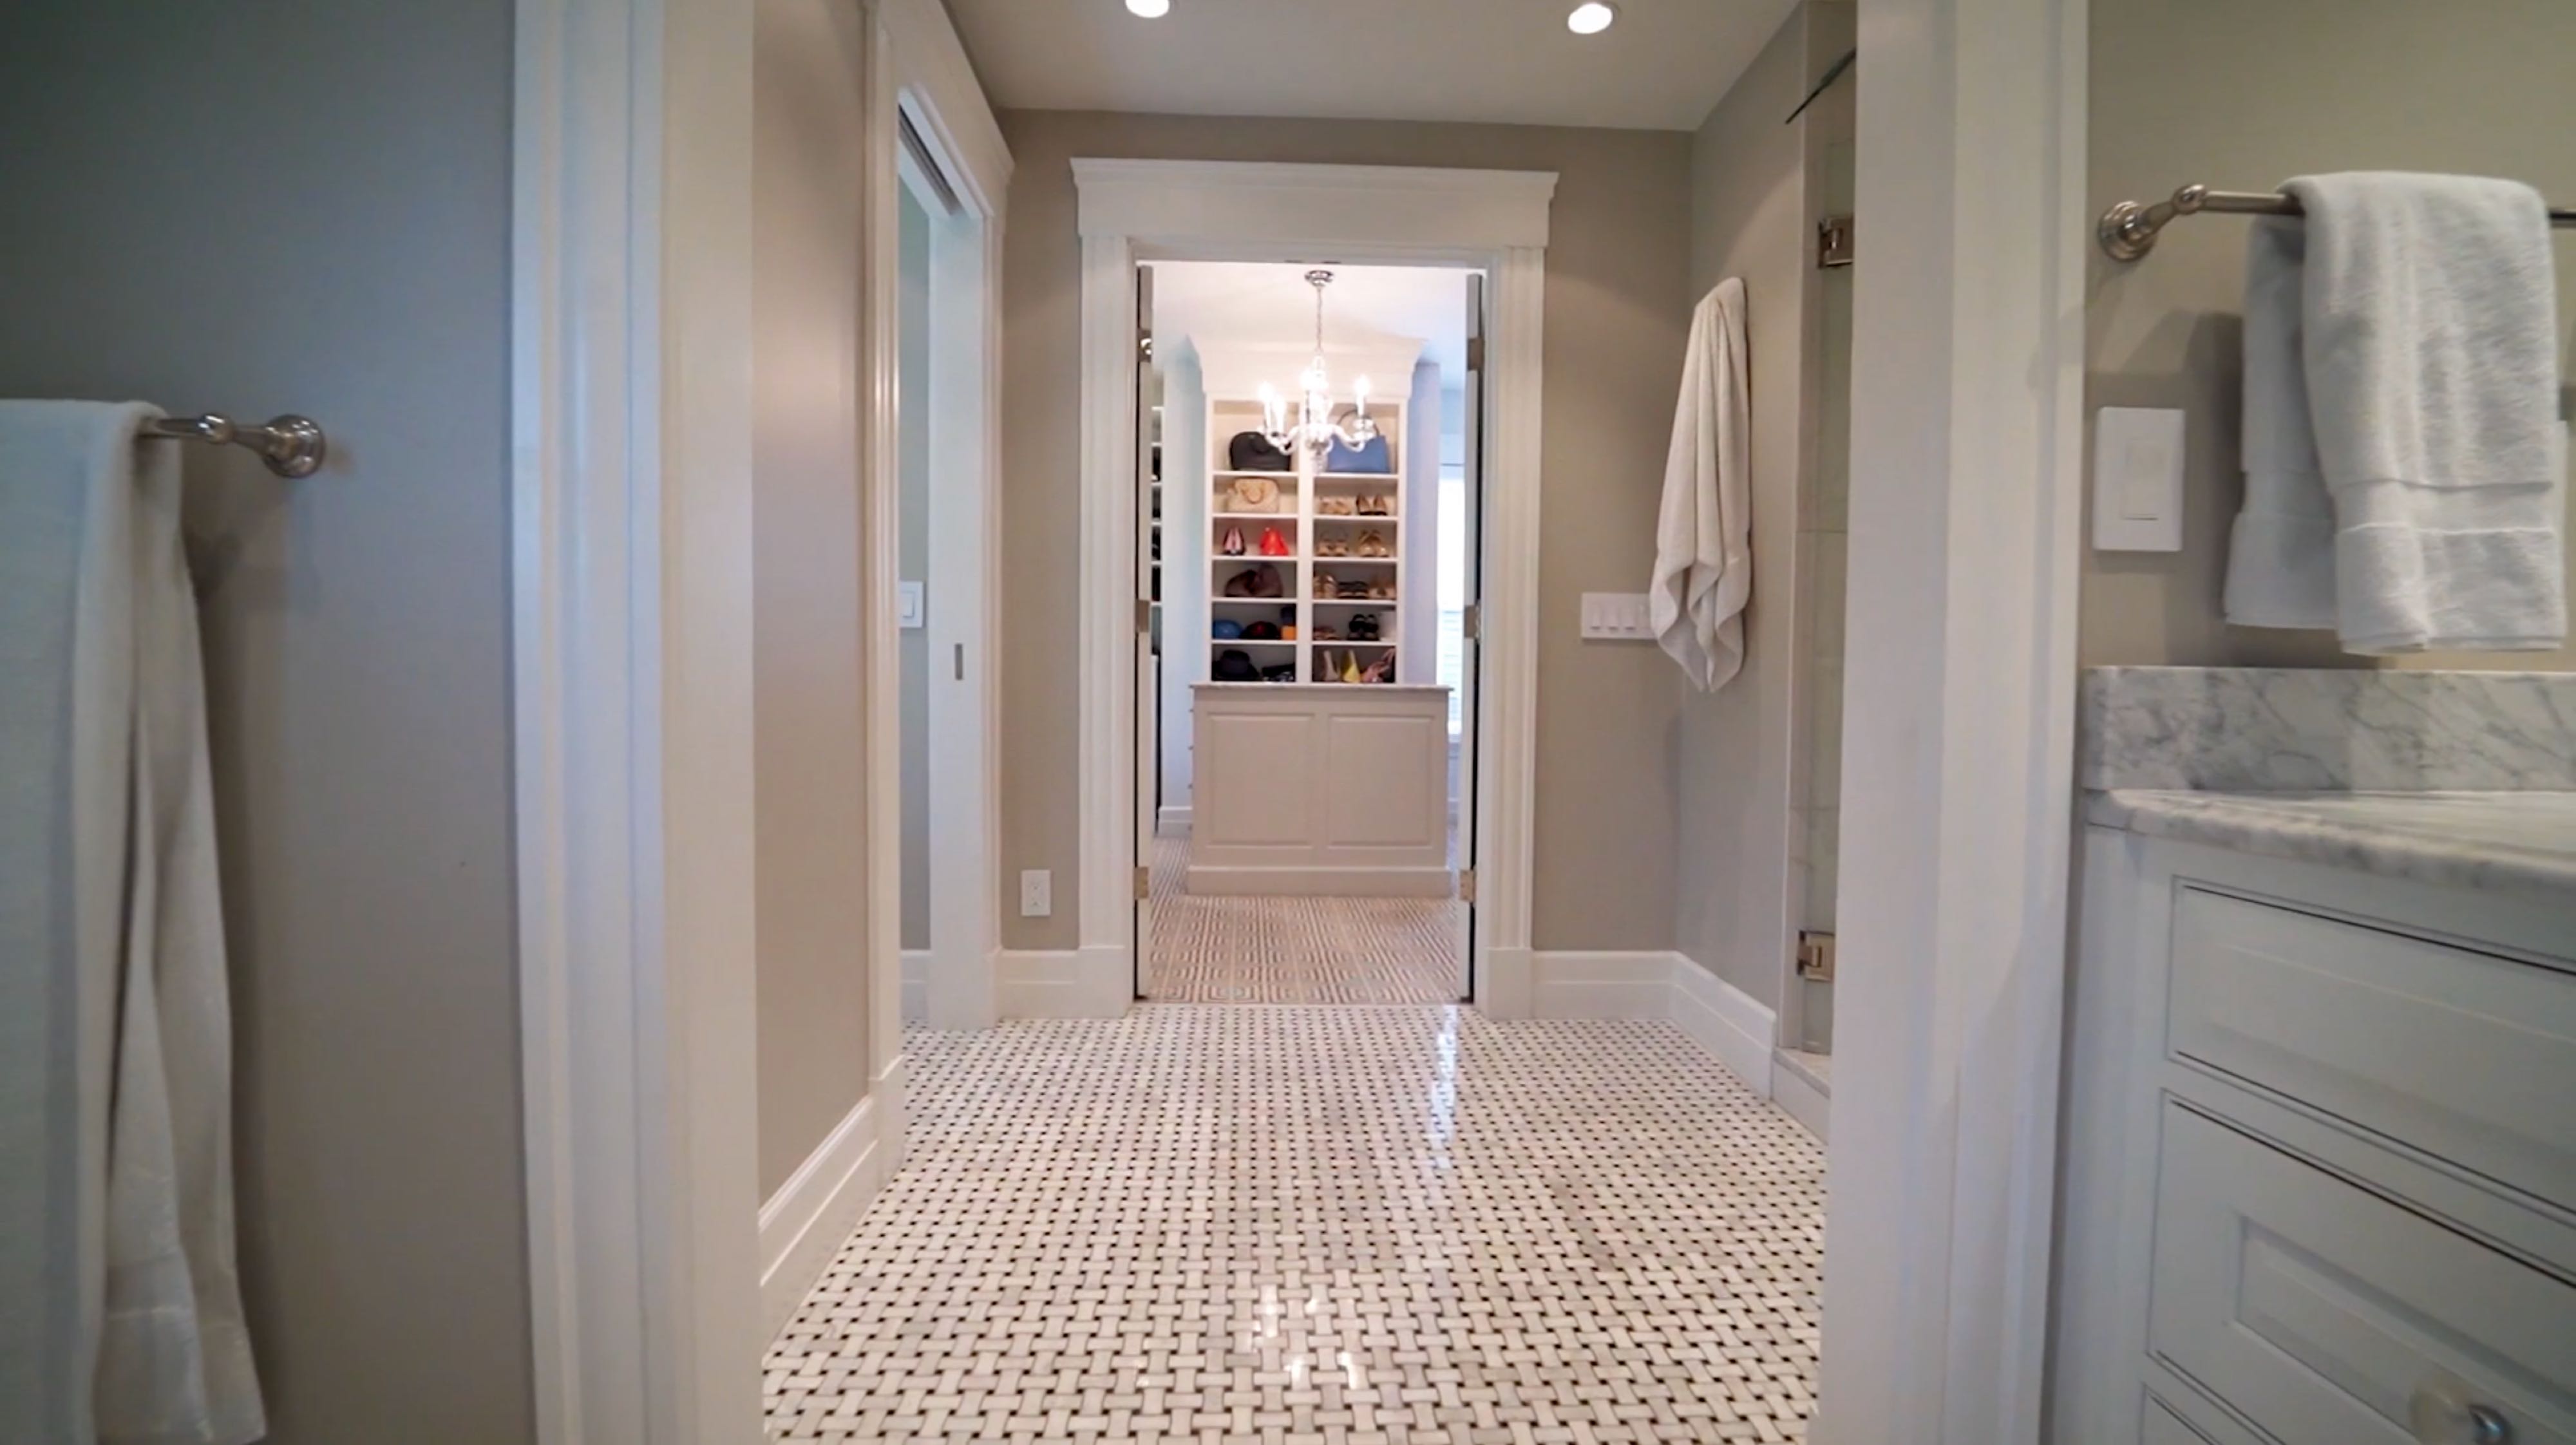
[1326,585]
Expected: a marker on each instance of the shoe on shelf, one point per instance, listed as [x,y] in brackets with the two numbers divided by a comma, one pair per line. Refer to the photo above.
[1332,547]
[1274,545]
[1232,543]
[1381,669]
[1324,585]
[1381,590]
[1371,543]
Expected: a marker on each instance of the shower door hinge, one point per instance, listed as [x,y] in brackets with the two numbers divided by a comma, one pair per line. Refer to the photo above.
[1144,616]
[1466,885]
[1475,353]
[1816,957]
[1834,241]
[1144,882]
[1471,622]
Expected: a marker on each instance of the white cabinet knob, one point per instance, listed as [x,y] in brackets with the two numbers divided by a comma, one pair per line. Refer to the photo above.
[2444,1413]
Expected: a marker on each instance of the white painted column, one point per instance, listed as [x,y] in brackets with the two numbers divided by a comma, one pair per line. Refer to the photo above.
[1958,761]
[1507,683]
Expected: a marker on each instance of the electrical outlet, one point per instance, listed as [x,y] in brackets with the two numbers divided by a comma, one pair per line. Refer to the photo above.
[1037,893]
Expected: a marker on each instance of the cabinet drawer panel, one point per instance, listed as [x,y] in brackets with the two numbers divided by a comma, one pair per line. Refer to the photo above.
[2463,1055]
[2166,1428]
[2318,1309]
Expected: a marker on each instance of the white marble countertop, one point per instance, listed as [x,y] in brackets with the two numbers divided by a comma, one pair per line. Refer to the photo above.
[2517,841]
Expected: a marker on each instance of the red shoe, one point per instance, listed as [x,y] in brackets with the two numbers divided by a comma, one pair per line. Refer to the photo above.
[1274,545]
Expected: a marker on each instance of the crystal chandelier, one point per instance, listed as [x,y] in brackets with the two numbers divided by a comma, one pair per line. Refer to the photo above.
[1316,430]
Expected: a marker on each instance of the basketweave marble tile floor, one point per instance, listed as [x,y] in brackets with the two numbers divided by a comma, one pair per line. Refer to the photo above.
[1296,949]
[1316,1224]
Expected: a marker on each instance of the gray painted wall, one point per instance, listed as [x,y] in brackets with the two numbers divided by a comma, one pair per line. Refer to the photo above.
[2240,94]
[1617,311]
[356,629]
[809,123]
[1732,751]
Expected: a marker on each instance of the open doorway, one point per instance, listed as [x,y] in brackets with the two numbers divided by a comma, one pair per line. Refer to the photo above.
[1304,749]
[945,559]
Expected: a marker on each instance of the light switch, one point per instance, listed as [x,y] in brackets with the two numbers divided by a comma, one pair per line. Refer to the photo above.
[2137,479]
[1616,617]
[911,606]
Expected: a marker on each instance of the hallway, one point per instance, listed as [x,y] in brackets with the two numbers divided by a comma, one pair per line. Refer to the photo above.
[1297,948]
[1353,1224]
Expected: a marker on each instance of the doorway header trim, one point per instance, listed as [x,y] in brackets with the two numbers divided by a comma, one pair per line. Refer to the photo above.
[1285,205]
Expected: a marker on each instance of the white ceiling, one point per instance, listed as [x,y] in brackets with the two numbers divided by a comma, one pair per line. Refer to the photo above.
[1239,303]
[1661,67]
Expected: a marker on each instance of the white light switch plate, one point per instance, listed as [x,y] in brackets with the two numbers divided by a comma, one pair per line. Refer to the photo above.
[1616,617]
[2137,479]
[1037,893]
[912,607]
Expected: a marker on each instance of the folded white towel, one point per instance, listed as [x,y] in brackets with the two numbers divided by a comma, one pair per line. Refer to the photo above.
[2406,467]
[1704,530]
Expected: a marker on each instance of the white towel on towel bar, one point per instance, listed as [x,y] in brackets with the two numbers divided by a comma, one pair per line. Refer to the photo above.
[120,1306]
[2405,464]
[1704,530]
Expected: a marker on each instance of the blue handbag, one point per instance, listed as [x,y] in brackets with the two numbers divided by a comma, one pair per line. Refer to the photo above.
[1368,456]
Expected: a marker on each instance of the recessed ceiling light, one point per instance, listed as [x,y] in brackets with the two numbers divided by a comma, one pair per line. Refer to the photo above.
[1589,18]
[1150,9]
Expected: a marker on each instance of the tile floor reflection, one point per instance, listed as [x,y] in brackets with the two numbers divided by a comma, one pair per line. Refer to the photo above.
[1295,948]
[1321,1224]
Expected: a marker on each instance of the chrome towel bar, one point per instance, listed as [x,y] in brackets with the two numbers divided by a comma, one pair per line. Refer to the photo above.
[2128,230]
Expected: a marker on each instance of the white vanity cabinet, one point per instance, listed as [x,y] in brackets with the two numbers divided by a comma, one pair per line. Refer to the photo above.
[2319,1146]
[1322,788]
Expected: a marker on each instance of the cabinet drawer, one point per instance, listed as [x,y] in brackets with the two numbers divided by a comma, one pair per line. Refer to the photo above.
[2318,1309]
[2464,1055]
[2164,1427]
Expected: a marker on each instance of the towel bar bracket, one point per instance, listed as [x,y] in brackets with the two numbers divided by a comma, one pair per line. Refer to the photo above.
[293,446]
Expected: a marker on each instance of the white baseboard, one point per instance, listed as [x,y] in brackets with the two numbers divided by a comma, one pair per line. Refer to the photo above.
[916,985]
[1806,1103]
[1601,985]
[1728,1022]
[1721,1018]
[804,1224]
[1090,983]
[1172,821]
[1426,882]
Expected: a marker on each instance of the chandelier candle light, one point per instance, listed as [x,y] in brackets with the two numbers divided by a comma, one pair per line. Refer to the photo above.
[1315,429]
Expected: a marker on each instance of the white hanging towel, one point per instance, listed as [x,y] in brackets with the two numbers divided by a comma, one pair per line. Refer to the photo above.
[120,1309]
[1704,531]
[2405,463]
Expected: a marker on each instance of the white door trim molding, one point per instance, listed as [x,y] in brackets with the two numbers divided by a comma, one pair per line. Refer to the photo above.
[947,102]
[1958,756]
[631,641]
[1496,220]
[933,85]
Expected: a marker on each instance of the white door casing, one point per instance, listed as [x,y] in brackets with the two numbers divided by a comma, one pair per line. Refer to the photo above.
[936,89]
[631,645]
[1212,210]
[631,357]
[1958,758]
